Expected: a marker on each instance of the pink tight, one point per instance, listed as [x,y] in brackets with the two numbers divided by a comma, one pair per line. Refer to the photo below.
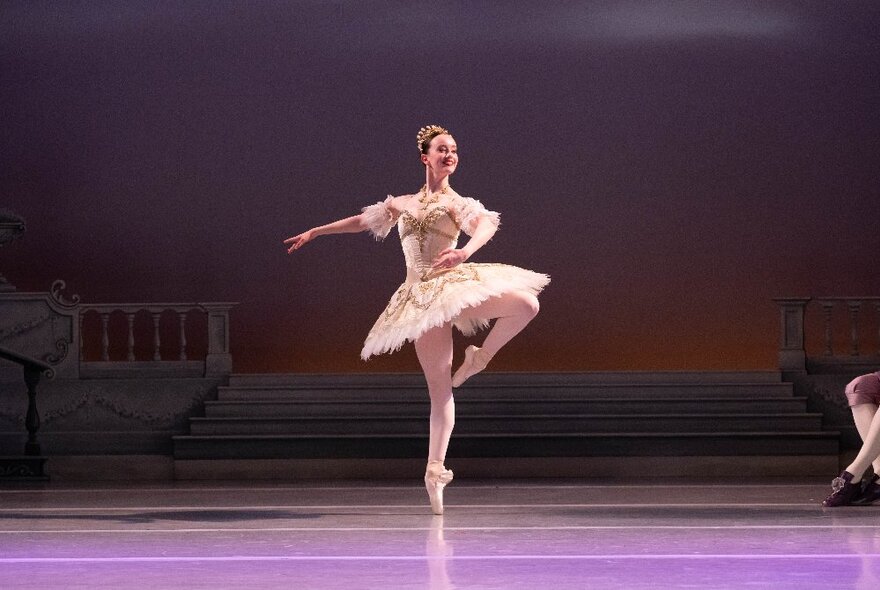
[513,311]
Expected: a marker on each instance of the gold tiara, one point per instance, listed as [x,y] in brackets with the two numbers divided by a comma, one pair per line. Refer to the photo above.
[428,133]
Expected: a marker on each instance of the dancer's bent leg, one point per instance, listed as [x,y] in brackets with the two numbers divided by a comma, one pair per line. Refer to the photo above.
[434,351]
[867,421]
[847,487]
[863,416]
[513,311]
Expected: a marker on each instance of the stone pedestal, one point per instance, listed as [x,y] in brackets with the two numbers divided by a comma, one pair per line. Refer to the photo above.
[792,355]
[218,361]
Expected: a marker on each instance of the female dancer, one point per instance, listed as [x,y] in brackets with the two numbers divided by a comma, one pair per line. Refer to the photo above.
[863,395]
[441,289]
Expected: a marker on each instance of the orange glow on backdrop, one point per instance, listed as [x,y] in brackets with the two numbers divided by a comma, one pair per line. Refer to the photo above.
[671,179]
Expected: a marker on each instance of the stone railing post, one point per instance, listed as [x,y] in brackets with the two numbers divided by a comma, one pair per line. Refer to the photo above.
[792,354]
[32,418]
[218,362]
[33,369]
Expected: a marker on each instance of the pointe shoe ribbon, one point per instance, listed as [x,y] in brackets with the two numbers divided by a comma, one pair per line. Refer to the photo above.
[436,479]
[475,360]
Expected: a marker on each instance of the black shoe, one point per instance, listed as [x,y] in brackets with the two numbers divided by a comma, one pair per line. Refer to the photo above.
[843,492]
[869,492]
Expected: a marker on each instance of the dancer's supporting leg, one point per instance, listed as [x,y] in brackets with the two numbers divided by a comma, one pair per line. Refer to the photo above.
[513,311]
[434,350]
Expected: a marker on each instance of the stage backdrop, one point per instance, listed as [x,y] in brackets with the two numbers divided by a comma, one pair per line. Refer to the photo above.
[674,165]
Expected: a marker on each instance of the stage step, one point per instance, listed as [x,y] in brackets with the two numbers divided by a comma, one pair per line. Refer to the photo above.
[522,391]
[484,379]
[513,424]
[572,444]
[329,420]
[384,407]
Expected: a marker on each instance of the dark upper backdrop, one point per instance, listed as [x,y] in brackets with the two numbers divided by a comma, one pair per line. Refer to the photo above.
[674,165]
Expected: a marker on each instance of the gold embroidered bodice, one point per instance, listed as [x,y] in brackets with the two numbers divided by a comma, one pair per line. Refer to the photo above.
[423,239]
[427,298]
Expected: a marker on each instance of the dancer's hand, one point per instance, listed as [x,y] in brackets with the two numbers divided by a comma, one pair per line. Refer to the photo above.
[449,257]
[297,242]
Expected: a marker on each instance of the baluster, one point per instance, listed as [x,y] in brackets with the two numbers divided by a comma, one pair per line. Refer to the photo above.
[157,356]
[182,335]
[105,336]
[130,317]
[827,311]
[854,306]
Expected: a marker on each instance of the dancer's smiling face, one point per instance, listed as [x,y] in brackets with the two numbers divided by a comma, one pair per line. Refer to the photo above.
[442,154]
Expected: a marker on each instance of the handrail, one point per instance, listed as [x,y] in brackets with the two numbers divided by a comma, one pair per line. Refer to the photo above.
[27,362]
[33,368]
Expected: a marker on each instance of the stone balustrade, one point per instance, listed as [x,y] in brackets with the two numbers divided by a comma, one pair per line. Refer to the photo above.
[861,316]
[124,340]
[217,361]
[853,307]
[131,310]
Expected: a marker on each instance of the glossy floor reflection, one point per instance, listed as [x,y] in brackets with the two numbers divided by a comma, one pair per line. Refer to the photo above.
[504,534]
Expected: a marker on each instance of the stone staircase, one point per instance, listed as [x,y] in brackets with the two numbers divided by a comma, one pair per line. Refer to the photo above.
[648,424]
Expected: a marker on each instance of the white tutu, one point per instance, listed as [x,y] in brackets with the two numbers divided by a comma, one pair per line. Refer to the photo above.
[428,298]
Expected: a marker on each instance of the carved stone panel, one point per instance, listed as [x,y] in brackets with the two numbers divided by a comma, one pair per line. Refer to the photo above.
[43,326]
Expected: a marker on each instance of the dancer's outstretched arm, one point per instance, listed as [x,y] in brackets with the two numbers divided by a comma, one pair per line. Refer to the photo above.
[349,225]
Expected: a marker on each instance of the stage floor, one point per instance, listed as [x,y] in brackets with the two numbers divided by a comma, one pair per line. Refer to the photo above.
[496,534]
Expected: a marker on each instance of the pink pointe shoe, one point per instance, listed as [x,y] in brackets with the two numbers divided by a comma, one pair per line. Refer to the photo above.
[475,360]
[436,478]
